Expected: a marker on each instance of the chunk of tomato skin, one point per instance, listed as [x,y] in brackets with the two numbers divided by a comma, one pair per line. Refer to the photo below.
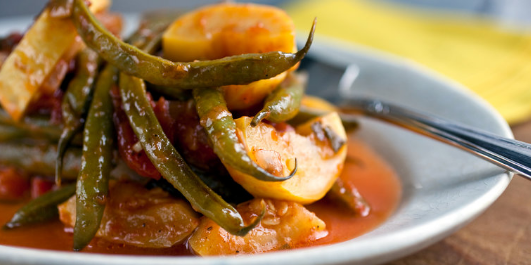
[10,42]
[138,161]
[192,140]
[14,186]
[162,110]
[48,104]
[40,186]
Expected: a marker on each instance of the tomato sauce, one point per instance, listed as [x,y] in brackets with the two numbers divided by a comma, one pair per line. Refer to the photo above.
[374,178]
[378,184]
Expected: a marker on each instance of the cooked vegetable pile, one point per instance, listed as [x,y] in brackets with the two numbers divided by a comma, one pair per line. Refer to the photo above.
[154,139]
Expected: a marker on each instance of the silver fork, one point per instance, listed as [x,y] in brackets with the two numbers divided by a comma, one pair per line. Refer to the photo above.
[507,153]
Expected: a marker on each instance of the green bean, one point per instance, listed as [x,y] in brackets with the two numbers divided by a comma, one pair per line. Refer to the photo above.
[39,159]
[350,197]
[33,127]
[170,164]
[22,134]
[8,133]
[12,133]
[150,43]
[241,69]
[41,209]
[221,130]
[80,88]
[283,103]
[96,162]
[76,102]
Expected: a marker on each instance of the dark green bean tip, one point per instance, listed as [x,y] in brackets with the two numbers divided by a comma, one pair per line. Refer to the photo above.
[78,245]
[9,226]
[41,209]
[259,117]
[247,229]
[301,53]
[266,176]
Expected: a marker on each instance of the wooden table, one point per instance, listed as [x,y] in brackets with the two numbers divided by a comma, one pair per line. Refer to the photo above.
[501,235]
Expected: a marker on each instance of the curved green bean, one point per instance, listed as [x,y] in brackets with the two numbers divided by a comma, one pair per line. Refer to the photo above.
[221,130]
[42,208]
[241,69]
[283,103]
[96,162]
[168,161]
[76,101]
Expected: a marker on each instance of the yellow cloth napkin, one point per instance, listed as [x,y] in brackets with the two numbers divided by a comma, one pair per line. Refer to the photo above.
[493,62]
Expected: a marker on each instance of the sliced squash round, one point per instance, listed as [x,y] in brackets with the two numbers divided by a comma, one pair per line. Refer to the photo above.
[228,29]
[316,147]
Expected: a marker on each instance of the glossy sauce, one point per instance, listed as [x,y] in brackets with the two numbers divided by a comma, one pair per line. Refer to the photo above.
[374,179]
[378,184]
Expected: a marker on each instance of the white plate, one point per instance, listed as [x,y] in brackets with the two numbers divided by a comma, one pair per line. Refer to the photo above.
[443,188]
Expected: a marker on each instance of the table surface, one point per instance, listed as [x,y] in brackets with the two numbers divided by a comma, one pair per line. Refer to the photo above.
[501,235]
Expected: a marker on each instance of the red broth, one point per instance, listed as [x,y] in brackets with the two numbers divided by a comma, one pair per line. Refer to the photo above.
[374,178]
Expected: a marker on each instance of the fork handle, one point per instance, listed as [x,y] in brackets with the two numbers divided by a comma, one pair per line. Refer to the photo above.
[507,153]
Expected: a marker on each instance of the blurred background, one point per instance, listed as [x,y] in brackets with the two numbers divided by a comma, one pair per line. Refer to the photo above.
[509,12]
[483,44]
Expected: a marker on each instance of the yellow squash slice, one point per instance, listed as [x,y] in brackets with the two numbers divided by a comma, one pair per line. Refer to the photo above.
[35,57]
[318,165]
[285,225]
[228,29]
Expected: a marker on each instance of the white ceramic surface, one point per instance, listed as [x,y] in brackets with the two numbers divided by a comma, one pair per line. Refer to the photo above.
[443,188]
